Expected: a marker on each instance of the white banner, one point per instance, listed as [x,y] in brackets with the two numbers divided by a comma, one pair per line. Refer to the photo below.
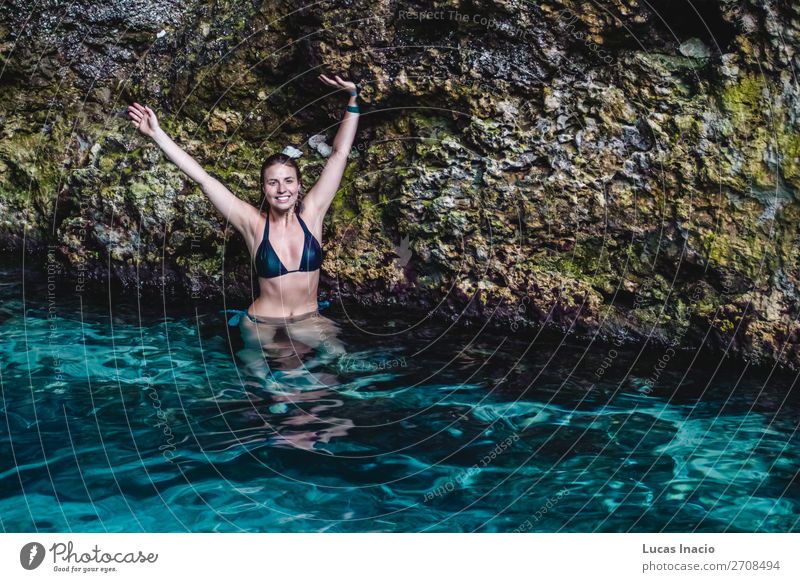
[378,557]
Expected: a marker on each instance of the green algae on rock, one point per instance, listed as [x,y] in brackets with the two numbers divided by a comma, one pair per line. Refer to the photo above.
[614,171]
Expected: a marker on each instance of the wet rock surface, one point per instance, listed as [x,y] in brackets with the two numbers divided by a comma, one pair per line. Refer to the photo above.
[621,168]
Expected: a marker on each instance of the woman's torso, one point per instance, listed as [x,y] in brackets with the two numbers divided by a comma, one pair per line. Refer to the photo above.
[293,293]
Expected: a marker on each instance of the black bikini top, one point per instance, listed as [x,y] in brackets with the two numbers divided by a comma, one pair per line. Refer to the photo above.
[268,265]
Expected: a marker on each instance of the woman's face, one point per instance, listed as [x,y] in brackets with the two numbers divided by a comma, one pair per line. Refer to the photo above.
[281,186]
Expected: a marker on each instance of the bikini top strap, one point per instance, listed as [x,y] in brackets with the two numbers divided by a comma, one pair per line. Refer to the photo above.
[266,228]
[303,224]
[299,218]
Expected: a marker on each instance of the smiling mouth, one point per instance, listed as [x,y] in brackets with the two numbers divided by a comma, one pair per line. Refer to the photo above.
[282,198]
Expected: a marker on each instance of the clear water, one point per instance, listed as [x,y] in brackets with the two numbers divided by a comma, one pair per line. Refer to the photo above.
[117,417]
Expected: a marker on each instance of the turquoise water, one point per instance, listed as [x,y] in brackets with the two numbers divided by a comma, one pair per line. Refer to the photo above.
[124,417]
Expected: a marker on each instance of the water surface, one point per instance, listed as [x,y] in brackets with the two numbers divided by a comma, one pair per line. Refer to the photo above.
[116,416]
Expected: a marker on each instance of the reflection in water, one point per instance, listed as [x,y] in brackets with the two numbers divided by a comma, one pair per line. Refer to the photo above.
[284,359]
[302,428]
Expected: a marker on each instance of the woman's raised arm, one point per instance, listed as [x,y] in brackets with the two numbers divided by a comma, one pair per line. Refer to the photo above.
[319,198]
[235,210]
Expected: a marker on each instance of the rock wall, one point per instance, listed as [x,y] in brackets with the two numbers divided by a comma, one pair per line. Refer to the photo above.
[617,167]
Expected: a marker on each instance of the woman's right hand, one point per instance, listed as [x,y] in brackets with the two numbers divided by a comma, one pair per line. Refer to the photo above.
[144,119]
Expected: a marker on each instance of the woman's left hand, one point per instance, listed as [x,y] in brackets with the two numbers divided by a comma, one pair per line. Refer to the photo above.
[339,83]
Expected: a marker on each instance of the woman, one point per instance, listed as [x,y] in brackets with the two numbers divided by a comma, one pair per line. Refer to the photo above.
[284,236]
